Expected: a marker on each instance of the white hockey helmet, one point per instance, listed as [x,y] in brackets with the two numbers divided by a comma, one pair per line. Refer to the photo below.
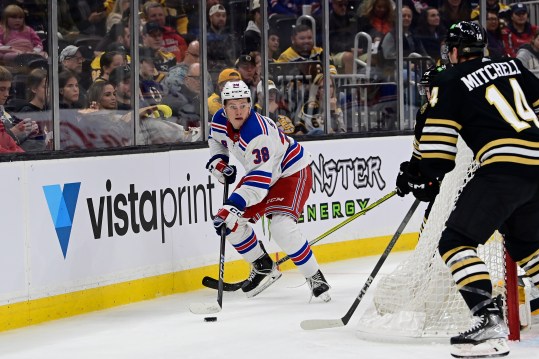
[234,90]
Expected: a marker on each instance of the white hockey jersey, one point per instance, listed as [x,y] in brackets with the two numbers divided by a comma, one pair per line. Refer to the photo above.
[265,152]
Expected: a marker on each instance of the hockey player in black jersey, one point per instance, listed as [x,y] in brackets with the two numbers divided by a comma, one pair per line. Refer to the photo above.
[493,105]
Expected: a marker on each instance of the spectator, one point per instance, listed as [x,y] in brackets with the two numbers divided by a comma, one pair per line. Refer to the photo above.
[277,110]
[114,40]
[453,11]
[376,18]
[252,34]
[410,43]
[221,43]
[120,78]
[107,61]
[19,130]
[312,113]
[15,37]
[90,16]
[176,75]
[115,16]
[246,65]
[501,10]
[529,54]
[172,41]
[102,96]
[342,32]
[214,101]
[36,110]
[273,45]
[189,98]
[72,60]
[431,32]
[302,47]
[151,89]
[68,90]
[496,49]
[152,38]
[519,31]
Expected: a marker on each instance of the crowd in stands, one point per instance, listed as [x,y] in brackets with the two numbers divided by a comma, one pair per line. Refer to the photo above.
[95,62]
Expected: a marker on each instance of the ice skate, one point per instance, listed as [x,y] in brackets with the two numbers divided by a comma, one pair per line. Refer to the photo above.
[319,286]
[264,273]
[487,338]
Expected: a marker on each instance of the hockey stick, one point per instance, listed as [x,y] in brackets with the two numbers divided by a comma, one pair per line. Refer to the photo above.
[232,287]
[209,308]
[311,324]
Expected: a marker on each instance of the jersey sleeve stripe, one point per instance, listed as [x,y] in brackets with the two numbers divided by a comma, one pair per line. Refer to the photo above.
[438,155]
[505,142]
[293,154]
[443,122]
[439,138]
[218,128]
[262,123]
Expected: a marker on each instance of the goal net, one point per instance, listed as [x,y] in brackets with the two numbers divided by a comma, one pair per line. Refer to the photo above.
[419,299]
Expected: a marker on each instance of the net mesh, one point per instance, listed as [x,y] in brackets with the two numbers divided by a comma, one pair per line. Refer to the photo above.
[419,298]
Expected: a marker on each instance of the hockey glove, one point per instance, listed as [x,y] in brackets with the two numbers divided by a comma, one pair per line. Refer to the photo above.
[424,189]
[222,171]
[402,180]
[227,216]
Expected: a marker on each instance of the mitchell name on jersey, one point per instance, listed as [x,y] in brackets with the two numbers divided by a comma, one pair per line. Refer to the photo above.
[490,72]
[265,152]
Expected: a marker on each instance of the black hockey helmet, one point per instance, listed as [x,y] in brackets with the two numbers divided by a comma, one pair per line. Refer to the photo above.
[468,37]
[428,77]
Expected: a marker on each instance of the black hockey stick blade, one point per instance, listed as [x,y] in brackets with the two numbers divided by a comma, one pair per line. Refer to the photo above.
[212,283]
[312,324]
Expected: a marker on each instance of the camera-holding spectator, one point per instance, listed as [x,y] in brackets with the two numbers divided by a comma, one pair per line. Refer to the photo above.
[519,31]
[19,130]
[529,54]
[15,37]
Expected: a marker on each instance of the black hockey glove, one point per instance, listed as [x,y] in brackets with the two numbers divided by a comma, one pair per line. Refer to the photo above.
[424,189]
[402,180]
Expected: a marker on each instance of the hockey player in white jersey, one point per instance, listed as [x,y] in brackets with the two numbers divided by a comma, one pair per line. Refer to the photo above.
[277,183]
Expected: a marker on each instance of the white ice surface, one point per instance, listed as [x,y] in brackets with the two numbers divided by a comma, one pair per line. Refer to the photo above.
[266,326]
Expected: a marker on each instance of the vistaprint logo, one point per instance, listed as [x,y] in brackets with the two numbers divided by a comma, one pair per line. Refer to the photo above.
[62,205]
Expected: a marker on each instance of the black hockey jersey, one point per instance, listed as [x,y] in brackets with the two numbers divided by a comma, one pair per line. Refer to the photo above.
[493,105]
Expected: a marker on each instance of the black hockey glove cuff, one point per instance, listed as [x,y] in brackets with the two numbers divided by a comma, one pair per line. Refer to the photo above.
[402,180]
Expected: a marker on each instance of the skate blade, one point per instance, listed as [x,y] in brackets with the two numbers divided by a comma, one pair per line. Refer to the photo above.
[325,297]
[491,348]
[269,280]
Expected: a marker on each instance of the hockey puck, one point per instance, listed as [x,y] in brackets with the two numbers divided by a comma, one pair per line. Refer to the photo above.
[210,319]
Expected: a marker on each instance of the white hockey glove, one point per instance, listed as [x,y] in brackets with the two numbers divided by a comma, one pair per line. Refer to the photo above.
[227,216]
[221,170]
